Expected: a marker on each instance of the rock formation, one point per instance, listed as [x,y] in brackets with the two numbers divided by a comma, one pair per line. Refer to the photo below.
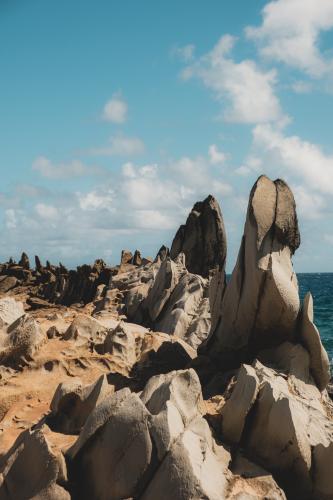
[202,239]
[261,305]
[211,391]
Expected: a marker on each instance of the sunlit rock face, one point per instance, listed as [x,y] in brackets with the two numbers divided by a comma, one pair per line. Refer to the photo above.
[261,304]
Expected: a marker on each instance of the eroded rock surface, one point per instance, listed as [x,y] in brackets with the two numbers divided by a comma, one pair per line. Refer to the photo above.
[202,239]
[261,304]
[123,400]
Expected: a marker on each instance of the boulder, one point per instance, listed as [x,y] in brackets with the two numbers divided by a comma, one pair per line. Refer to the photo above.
[85,329]
[114,449]
[73,402]
[123,344]
[202,239]
[31,470]
[115,454]
[8,283]
[287,429]
[20,341]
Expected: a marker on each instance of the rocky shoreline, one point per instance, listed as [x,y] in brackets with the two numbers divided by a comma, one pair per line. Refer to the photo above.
[157,379]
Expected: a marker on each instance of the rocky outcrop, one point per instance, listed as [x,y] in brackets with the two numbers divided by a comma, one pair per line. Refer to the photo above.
[31,469]
[73,402]
[85,329]
[20,340]
[261,427]
[156,446]
[285,426]
[261,305]
[202,239]
[309,336]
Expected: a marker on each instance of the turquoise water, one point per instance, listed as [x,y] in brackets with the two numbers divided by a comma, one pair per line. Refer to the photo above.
[321,287]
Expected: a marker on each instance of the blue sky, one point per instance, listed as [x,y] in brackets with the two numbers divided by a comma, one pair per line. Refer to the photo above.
[115,117]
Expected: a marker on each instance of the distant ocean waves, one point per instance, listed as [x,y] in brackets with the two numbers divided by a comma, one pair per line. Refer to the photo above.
[321,287]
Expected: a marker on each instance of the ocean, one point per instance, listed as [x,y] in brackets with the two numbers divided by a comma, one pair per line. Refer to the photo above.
[321,287]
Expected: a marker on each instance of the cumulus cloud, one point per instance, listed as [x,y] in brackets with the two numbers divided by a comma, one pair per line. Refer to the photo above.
[115,110]
[216,156]
[246,92]
[45,211]
[94,200]
[120,145]
[143,202]
[310,205]
[75,168]
[296,156]
[290,33]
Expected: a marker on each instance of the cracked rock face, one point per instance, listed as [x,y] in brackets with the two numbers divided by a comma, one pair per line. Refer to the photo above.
[285,425]
[261,305]
[156,446]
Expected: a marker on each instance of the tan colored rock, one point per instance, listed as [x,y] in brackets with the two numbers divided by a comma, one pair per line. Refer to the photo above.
[252,482]
[85,329]
[237,407]
[261,304]
[20,341]
[73,402]
[111,463]
[290,432]
[165,282]
[10,311]
[309,335]
[31,470]
[181,311]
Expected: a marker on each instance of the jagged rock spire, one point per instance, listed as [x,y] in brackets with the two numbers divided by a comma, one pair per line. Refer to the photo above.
[202,239]
[261,304]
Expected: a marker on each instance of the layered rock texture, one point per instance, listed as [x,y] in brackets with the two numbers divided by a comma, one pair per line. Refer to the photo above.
[155,379]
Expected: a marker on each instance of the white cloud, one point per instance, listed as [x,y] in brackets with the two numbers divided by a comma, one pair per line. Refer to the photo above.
[309,204]
[10,218]
[96,201]
[48,212]
[115,110]
[74,168]
[290,33]
[185,53]
[120,145]
[297,156]
[128,170]
[216,156]
[248,90]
